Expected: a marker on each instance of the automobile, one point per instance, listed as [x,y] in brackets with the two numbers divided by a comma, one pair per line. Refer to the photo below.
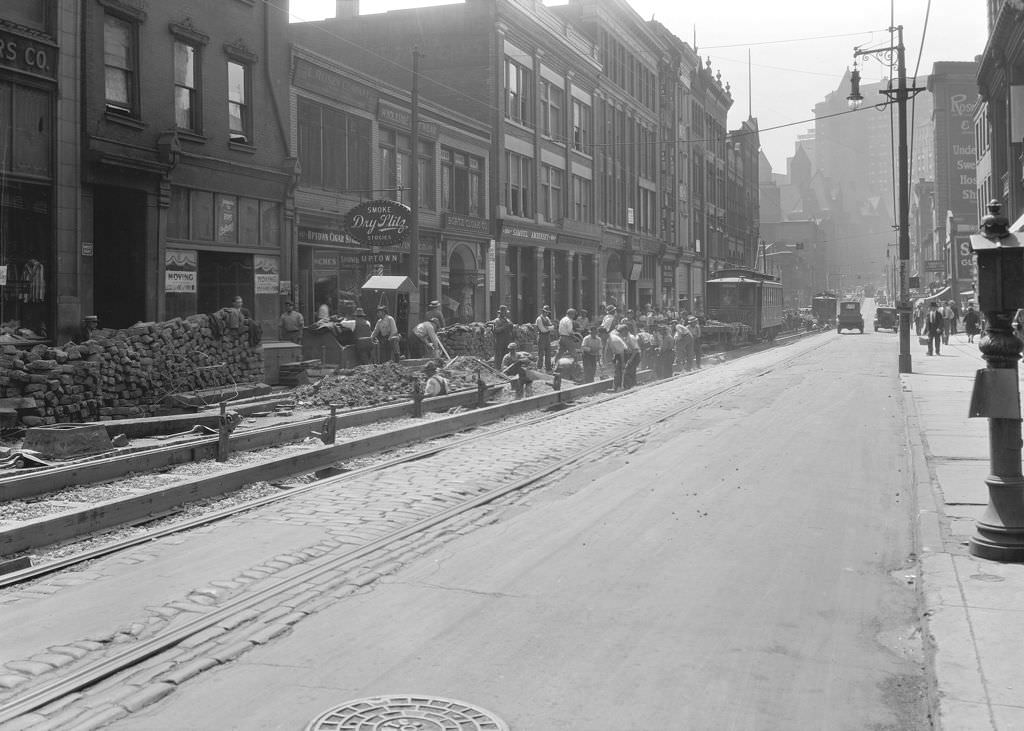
[849,316]
[886,319]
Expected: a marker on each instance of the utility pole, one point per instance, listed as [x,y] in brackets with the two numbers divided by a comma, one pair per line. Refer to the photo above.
[901,94]
[413,269]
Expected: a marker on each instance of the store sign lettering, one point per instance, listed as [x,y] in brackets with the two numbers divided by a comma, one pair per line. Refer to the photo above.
[466,223]
[266,283]
[24,55]
[179,281]
[525,233]
[378,223]
[309,235]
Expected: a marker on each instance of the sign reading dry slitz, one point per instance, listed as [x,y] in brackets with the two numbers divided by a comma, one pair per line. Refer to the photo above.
[378,223]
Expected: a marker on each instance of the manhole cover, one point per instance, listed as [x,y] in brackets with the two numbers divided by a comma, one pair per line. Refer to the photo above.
[407,713]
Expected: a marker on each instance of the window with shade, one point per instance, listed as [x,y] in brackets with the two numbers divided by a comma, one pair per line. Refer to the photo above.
[186,86]
[239,109]
[120,65]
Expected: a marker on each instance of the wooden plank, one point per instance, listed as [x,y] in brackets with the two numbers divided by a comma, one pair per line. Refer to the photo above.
[101,470]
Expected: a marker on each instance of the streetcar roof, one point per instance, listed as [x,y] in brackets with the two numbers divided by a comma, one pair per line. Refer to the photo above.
[736,280]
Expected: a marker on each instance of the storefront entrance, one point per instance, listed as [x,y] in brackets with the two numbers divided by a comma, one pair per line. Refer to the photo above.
[119,274]
[460,296]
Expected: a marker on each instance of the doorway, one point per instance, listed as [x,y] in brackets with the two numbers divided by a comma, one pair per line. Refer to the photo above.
[119,265]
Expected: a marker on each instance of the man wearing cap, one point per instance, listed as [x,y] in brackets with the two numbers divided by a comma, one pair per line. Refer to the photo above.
[434,313]
[363,333]
[502,328]
[291,324]
[385,334]
[610,321]
[544,327]
[426,331]
[436,384]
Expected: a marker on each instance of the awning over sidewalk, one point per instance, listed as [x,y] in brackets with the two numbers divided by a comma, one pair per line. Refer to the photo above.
[389,284]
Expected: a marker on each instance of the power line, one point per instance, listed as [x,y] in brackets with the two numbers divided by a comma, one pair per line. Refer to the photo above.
[793,40]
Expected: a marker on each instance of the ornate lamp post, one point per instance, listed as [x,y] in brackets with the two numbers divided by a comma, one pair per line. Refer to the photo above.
[901,94]
[1000,257]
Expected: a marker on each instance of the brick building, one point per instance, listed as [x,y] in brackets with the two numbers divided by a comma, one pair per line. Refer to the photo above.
[352,134]
[40,255]
[187,174]
[529,80]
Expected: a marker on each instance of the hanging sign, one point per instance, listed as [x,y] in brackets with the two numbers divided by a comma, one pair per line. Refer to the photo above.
[378,223]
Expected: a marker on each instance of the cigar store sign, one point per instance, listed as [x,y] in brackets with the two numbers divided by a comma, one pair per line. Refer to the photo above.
[378,223]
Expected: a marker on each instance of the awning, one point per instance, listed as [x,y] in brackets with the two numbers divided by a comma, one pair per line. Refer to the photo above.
[389,284]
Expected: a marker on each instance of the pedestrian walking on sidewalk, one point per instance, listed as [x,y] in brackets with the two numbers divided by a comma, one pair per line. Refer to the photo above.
[972,322]
[948,322]
[934,327]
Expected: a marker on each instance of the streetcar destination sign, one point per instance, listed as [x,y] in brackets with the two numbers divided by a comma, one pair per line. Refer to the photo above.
[378,223]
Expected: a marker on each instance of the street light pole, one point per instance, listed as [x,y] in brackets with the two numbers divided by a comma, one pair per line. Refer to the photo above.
[901,94]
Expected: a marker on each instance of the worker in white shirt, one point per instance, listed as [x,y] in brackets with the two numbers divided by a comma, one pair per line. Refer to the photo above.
[566,334]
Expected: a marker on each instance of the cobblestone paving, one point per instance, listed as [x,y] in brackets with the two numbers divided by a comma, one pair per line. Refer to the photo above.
[351,512]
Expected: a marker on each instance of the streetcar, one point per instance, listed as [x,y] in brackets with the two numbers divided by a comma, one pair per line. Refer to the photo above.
[824,306]
[749,297]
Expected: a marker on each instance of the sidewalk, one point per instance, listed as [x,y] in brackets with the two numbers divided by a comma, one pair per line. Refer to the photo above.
[974,608]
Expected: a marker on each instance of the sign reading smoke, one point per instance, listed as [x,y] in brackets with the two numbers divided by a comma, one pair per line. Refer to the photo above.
[378,223]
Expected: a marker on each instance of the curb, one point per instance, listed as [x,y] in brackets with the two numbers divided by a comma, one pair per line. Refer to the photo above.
[945,628]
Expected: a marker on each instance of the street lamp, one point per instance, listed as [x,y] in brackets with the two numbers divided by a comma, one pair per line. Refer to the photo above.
[900,95]
[996,395]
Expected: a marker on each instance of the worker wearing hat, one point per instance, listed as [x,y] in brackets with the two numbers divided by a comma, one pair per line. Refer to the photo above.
[434,313]
[503,331]
[436,385]
[544,325]
[291,324]
[385,336]
[363,333]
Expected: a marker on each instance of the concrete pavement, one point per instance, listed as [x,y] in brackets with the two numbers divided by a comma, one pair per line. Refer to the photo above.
[974,608]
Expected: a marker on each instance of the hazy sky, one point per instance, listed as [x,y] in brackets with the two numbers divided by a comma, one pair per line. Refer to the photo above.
[798,49]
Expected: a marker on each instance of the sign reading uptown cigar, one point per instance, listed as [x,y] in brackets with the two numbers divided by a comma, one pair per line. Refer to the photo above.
[378,223]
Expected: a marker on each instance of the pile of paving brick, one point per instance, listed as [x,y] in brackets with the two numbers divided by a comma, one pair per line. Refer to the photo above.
[476,339]
[125,373]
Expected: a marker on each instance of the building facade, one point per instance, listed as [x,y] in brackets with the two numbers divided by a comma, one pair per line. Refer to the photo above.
[187,172]
[589,110]
[999,117]
[353,137]
[42,257]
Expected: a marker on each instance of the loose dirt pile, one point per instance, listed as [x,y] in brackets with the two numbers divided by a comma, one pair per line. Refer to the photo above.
[375,385]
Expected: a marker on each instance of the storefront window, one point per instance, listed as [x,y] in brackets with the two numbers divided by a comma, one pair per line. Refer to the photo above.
[26,271]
